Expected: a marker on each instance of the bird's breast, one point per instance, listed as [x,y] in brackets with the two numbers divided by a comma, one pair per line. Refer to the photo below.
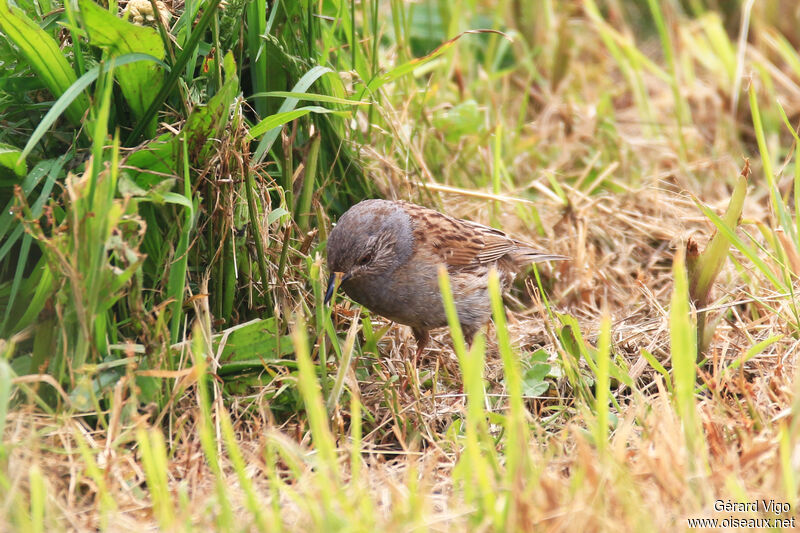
[410,295]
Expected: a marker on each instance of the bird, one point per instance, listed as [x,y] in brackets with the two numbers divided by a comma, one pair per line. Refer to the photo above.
[387,255]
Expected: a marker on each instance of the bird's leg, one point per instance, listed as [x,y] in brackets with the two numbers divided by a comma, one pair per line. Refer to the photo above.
[469,334]
[422,337]
[468,338]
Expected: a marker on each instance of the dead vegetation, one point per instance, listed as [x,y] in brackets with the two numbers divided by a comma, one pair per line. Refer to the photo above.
[598,168]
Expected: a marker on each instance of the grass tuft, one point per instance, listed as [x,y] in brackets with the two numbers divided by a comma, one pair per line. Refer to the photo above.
[168,185]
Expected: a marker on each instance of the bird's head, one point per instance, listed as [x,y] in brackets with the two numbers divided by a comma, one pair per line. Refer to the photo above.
[371,239]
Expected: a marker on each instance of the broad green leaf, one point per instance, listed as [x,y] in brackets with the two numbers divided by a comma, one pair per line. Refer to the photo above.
[462,119]
[149,163]
[533,380]
[539,356]
[170,83]
[175,198]
[120,37]
[10,158]
[71,94]
[207,123]
[44,56]
[247,346]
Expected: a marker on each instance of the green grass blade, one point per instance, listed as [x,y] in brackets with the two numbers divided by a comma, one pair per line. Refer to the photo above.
[256,12]
[73,92]
[317,416]
[344,362]
[120,37]
[50,168]
[308,97]
[410,66]
[279,119]
[658,367]
[176,282]
[153,451]
[44,56]
[741,246]
[681,108]
[517,467]
[200,351]
[252,499]
[795,230]
[171,82]
[683,347]
[778,206]
[250,188]
[38,496]
[603,382]
[475,459]
[302,213]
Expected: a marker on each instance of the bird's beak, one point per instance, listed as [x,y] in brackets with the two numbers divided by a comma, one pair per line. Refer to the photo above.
[332,284]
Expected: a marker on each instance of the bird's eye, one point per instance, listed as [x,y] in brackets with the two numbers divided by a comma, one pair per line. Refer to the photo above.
[366,258]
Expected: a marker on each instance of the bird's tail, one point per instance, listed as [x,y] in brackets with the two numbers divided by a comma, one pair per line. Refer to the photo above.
[527,256]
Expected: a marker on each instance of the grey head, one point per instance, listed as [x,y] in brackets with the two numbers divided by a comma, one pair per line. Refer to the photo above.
[370,241]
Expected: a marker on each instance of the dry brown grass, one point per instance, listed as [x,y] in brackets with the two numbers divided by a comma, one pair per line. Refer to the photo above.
[621,236]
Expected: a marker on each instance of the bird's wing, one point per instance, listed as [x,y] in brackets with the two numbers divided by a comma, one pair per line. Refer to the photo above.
[461,243]
[494,243]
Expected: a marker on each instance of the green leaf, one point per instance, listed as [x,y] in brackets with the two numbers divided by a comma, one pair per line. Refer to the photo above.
[11,157]
[533,380]
[740,245]
[106,30]
[31,181]
[539,356]
[300,87]
[683,340]
[650,358]
[36,302]
[310,97]
[247,346]
[279,119]
[171,82]
[462,119]
[275,214]
[74,92]
[53,169]
[569,342]
[148,164]
[44,56]
[175,198]
[410,66]
[207,123]
[127,187]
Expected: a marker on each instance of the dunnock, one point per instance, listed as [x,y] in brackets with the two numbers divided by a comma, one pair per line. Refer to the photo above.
[388,255]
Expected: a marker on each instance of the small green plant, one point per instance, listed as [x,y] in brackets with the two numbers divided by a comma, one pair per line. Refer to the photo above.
[703,268]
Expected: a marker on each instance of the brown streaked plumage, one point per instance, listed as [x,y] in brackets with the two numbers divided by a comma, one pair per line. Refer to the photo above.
[388,255]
